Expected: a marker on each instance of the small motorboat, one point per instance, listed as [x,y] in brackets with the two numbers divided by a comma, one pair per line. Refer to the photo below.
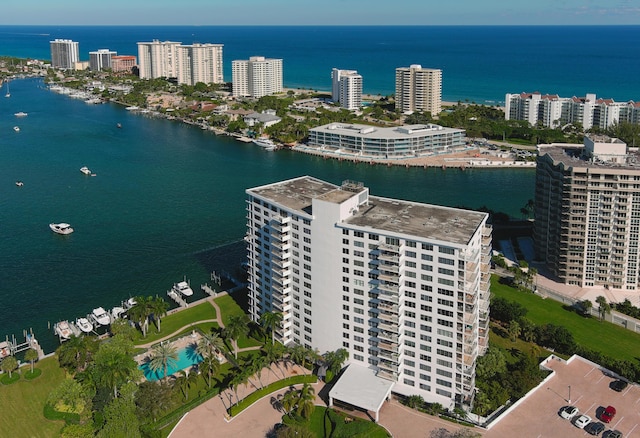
[129,303]
[85,170]
[63,330]
[19,183]
[183,288]
[118,125]
[21,114]
[100,316]
[84,325]
[61,228]
[118,312]
[16,128]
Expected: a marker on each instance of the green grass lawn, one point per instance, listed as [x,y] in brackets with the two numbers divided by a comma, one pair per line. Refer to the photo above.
[320,422]
[228,308]
[173,322]
[22,403]
[607,338]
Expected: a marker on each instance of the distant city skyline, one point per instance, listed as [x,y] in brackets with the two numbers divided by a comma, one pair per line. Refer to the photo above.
[328,12]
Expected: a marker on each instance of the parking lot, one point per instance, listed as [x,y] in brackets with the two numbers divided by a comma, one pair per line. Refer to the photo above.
[587,387]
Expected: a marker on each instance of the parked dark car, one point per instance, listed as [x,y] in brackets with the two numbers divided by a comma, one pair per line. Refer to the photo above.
[594,428]
[619,385]
[612,434]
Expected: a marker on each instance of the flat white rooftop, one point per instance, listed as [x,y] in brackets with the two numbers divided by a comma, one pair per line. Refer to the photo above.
[360,387]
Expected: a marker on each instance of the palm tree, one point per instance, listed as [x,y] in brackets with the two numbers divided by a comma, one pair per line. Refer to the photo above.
[9,364]
[164,355]
[299,355]
[140,312]
[209,367]
[258,363]
[415,401]
[209,344]
[305,404]
[604,307]
[31,355]
[76,352]
[514,330]
[158,306]
[270,321]
[238,326]
[113,368]
[184,381]
[237,380]
[273,353]
[335,359]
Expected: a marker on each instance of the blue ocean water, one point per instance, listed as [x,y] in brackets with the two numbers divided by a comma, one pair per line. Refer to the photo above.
[166,201]
[479,63]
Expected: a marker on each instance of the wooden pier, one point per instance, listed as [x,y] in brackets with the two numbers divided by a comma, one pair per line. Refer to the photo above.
[10,347]
[208,290]
[177,298]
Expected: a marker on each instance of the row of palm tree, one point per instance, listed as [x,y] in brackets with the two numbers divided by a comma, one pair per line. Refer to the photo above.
[146,307]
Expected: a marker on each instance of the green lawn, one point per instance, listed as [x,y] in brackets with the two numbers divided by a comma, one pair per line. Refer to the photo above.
[228,308]
[173,322]
[607,338]
[333,422]
[22,403]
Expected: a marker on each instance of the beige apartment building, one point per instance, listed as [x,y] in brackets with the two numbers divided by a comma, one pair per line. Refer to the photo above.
[418,89]
[587,213]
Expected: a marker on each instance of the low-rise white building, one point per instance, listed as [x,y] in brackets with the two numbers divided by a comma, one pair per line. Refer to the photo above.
[401,141]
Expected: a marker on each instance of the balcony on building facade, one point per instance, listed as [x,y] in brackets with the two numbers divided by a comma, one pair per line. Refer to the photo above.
[389,268]
[389,318]
[388,375]
[395,279]
[388,366]
[386,327]
[388,257]
[388,308]
[393,347]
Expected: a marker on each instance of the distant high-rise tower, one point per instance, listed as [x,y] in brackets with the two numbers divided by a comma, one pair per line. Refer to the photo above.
[199,63]
[64,53]
[418,89]
[157,59]
[347,88]
[256,77]
[100,59]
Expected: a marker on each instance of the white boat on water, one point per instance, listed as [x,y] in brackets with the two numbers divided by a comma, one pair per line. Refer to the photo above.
[183,288]
[21,114]
[118,312]
[16,128]
[100,316]
[61,228]
[129,303]
[19,183]
[265,143]
[85,170]
[132,108]
[63,330]
[84,325]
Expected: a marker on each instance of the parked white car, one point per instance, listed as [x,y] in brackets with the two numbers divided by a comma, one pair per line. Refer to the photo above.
[568,412]
[582,421]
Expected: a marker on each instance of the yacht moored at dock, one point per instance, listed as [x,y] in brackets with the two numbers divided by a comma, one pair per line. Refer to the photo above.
[183,288]
[100,316]
[84,325]
[63,330]
[265,143]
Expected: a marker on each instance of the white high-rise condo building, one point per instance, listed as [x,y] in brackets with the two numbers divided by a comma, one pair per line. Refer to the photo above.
[347,88]
[402,286]
[552,111]
[64,53]
[199,63]
[157,59]
[587,209]
[418,89]
[101,59]
[256,77]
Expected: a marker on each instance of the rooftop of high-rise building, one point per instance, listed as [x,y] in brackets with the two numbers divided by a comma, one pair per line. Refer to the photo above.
[393,215]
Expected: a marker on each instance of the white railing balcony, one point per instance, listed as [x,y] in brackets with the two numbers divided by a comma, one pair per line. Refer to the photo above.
[383,256]
[389,278]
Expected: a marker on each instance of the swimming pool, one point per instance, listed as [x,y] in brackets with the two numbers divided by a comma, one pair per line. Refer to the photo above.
[186,358]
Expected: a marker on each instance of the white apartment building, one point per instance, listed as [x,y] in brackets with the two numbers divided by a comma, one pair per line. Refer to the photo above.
[157,59]
[347,88]
[402,286]
[256,77]
[552,111]
[418,89]
[199,63]
[101,59]
[64,53]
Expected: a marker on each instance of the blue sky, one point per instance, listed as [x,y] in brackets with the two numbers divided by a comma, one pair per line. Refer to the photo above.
[324,12]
